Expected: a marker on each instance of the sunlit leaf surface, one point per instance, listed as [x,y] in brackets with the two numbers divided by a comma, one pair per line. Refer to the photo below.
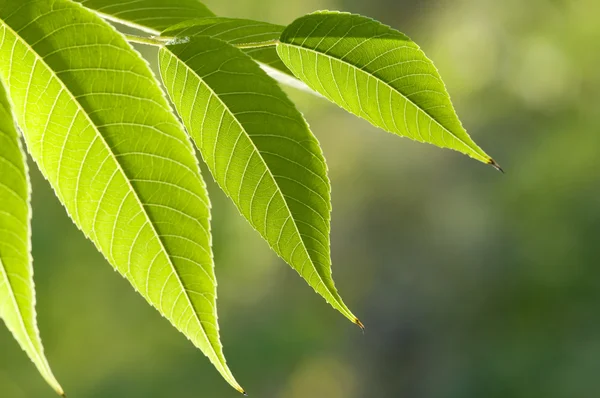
[260,151]
[236,32]
[101,131]
[377,73]
[17,293]
[150,15]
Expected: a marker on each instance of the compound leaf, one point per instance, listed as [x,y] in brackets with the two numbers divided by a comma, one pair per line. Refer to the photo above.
[376,73]
[237,32]
[149,15]
[260,151]
[17,293]
[101,131]
[153,16]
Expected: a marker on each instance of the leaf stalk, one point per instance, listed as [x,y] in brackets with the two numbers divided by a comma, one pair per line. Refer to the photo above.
[150,41]
[260,44]
[160,41]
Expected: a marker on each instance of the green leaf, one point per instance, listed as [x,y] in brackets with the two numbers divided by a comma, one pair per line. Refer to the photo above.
[101,131]
[260,151]
[17,293]
[237,32]
[376,73]
[149,15]
[189,17]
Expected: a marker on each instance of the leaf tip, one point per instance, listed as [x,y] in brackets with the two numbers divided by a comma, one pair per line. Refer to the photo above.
[54,384]
[495,165]
[360,324]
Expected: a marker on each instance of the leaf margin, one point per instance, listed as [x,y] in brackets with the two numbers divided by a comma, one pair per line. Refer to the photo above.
[35,354]
[474,151]
[223,368]
[334,299]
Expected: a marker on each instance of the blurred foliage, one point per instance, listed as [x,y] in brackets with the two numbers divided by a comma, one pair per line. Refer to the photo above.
[470,283]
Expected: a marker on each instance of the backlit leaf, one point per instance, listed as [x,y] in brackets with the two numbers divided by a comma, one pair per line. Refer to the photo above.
[101,131]
[260,151]
[237,31]
[17,293]
[189,17]
[377,73]
[150,15]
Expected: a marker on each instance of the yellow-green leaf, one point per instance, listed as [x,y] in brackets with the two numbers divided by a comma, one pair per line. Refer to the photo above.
[260,151]
[17,292]
[376,73]
[150,15]
[234,31]
[102,133]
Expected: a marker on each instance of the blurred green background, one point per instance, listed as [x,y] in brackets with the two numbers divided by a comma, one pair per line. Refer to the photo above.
[470,283]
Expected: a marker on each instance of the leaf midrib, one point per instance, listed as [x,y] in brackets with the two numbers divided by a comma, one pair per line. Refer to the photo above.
[332,294]
[476,150]
[135,194]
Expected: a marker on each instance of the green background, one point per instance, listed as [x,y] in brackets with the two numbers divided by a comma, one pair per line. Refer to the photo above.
[470,283]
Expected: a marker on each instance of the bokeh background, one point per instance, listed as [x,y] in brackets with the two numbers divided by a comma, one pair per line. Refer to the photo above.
[471,283]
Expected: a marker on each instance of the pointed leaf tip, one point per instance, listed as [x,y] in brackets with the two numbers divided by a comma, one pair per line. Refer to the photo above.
[17,288]
[137,216]
[376,73]
[261,153]
[495,165]
[360,324]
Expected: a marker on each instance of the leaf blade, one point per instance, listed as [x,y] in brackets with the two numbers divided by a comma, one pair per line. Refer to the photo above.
[376,73]
[260,151]
[17,304]
[183,14]
[236,31]
[93,118]
[149,15]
